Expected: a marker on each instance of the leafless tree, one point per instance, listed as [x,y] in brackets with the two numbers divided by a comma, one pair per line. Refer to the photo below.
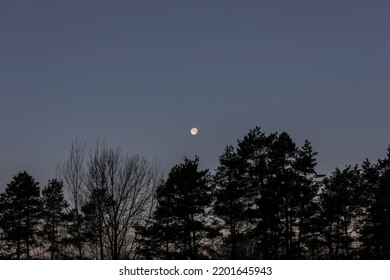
[126,186]
[72,173]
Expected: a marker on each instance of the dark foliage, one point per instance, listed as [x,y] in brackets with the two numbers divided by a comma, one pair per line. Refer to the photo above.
[20,215]
[264,201]
[178,229]
[54,217]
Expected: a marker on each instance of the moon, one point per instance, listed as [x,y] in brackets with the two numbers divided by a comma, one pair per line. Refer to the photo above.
[194,131]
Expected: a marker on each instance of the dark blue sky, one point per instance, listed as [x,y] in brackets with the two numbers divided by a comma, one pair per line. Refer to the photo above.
[140,74]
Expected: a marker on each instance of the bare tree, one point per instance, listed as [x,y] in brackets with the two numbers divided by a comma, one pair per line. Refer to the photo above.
[126,186]
[72,173]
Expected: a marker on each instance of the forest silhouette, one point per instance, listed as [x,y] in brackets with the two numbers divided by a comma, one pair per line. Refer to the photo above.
[265,200]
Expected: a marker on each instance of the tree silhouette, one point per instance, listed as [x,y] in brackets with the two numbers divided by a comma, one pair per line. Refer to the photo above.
[375,235]
[54,216]
[366,214]
[382,209]
[339,211]
[382,218]
[305,203]
[72,173]
[120,190]
[265,196]
[232,203]
[178,229]
[94,231]
[264,201]
[21,210]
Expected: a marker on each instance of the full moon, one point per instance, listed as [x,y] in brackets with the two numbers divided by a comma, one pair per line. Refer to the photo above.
[194,131]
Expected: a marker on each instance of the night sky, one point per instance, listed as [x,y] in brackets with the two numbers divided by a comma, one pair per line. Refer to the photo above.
[141,74]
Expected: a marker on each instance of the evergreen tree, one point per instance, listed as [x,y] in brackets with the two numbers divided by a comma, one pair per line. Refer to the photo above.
[74,238]
[376,230]
[265,196]
[232,200]
[263,201]
[305,203]
[54,216]
[382,218]
[276,193]
[366,215]
[21,211]
[339,200]
[179,228]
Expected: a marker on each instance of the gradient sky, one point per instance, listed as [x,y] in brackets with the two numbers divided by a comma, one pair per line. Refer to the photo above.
[140,74]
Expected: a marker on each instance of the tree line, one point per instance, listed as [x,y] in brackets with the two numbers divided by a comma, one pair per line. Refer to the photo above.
[265,200]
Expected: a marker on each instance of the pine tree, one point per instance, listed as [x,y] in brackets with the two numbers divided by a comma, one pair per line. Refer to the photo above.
[21,212]
[366,214]
[339,211]
[263,200]
[232,197]
[266,197]
[54,206]
[305,203]
[179,228]
[375,233]
[382,217]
